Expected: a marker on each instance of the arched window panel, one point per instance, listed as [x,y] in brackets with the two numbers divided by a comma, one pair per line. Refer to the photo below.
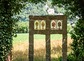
[53,25]
[59,25]
[43,25]
[36,24]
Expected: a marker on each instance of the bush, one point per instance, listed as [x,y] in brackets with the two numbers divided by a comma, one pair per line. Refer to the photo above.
[22,27]
[70,57]
[78,41]
[69,28]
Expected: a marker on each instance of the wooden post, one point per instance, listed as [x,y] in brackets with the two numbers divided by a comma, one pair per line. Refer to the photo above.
[48,47]
[31,41]
[64,40]
[31,47]
[64,48]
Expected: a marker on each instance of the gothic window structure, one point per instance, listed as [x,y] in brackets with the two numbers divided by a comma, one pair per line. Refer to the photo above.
[48,25]
[39,25]
[36,25]
[43,25]
[59,24]
[53,25]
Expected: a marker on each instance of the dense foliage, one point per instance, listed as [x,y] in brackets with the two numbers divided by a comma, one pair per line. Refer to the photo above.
[22,27]
[37,9]
[78,43]
[75,8]
[8,8]
[31,9]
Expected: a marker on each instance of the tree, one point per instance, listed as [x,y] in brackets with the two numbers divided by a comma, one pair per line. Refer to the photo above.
[31,9]
[75,8]
[8,8]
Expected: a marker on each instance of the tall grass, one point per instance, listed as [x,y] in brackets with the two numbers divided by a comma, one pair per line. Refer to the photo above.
[20,47]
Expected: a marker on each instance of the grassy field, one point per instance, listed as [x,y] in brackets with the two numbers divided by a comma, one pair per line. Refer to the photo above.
[20,47]
[22,37]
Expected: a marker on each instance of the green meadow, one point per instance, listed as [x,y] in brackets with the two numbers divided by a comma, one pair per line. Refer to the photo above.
[22,37]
